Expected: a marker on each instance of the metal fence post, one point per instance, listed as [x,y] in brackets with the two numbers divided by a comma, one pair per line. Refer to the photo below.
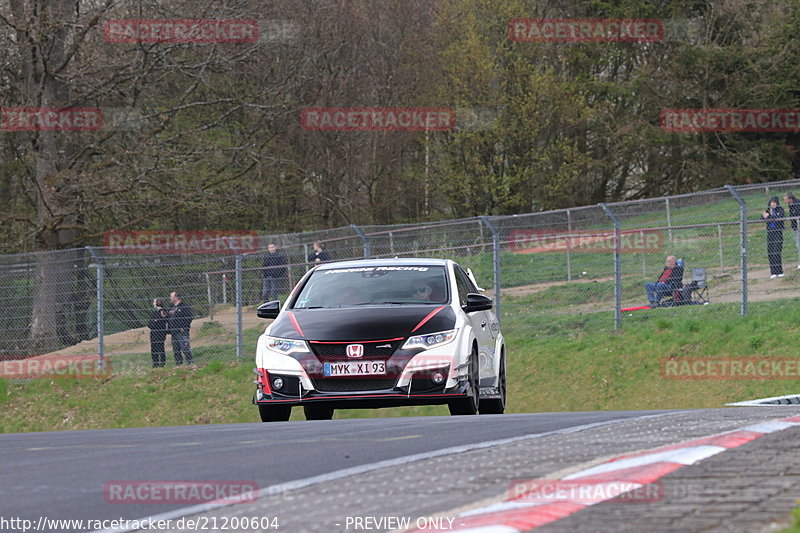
[617,267]
[480,229]
[644,255]
[239,338]
[569,246]
[669,221]
[98,261]
[364,239]
[210,300]
[495,262]
[742,241]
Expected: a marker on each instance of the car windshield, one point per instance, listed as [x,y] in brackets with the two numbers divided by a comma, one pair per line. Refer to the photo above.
[374,285]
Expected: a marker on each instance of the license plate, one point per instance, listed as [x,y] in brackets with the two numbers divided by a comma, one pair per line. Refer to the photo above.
[355,368]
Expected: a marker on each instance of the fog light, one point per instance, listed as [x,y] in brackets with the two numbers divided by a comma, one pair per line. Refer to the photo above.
[259,395]
[277,383]
[437,378]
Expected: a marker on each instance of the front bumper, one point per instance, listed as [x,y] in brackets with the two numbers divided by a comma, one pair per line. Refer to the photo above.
[393,397]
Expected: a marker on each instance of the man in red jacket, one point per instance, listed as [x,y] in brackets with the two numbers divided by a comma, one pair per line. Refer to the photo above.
[671,278]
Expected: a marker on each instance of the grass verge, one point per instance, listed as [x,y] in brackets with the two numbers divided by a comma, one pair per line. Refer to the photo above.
[573,370]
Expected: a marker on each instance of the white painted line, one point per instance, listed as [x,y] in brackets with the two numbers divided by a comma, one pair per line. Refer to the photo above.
[684,456]
[499,506]
[769,427]
[274,490]
[490,529]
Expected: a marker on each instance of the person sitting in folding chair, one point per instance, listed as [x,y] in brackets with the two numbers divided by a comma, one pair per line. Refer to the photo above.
[671,279]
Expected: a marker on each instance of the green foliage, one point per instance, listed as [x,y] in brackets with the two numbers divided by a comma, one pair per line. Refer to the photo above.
[794,527]
[216,143]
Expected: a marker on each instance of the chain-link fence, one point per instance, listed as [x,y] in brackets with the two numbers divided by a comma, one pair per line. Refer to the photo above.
[562,272]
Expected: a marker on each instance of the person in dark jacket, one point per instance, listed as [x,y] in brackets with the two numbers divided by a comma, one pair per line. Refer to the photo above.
[794,212]
[158,324]
[275,274]
[671,278]
[320,254]
[180,320]
[773,216]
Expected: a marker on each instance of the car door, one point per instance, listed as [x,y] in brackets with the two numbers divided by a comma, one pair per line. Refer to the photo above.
[479,322]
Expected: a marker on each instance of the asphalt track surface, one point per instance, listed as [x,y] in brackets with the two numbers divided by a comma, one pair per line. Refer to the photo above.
[62,474]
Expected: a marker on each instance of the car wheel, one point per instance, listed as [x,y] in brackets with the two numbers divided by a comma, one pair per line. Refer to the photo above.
[496,406]
[274,413]
[318,412]
[469,405]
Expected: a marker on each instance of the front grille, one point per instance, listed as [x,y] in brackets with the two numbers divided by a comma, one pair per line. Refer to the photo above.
[338,350]
[353,384]
[291,385]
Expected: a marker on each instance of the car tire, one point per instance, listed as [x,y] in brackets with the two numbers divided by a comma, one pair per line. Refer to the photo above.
[318,412]
[496,406]
[274,413]
[469,405]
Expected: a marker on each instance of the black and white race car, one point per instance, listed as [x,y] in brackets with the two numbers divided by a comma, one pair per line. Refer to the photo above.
[381,333]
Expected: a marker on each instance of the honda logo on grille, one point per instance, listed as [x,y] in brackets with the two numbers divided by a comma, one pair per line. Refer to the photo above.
[355,350]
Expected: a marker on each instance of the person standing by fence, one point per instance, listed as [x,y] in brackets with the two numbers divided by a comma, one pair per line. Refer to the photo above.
[275,274]
[794,212]
[179,323]
[158,324]
[320,254]
[773,216]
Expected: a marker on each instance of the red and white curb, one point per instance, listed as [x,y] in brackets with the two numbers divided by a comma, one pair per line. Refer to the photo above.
[635,470]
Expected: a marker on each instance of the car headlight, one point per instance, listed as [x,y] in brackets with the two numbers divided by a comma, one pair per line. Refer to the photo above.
[286,346]
[430,340]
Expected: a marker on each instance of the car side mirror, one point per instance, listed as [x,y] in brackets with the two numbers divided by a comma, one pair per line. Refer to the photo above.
[269,309]
[477,302]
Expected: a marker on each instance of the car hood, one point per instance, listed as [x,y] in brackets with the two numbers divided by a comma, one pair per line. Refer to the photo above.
[363,323]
